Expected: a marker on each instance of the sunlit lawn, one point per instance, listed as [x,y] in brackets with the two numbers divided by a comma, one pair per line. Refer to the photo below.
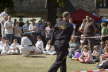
[39,63]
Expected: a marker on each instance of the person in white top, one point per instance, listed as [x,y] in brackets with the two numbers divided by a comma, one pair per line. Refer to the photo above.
[4,13]
[50,49]
[1,44]
[9,27]
[39,45]
[26,45]
[14,47]
[5,48]
[33,30]
[2,25]
[32,26]
[26,26]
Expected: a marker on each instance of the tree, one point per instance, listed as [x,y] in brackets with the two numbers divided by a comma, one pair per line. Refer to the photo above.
[52,11]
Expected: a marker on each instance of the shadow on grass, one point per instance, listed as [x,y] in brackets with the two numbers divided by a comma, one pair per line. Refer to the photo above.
[37,56]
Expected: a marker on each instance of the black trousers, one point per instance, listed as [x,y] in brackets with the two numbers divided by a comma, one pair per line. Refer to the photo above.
[60,61]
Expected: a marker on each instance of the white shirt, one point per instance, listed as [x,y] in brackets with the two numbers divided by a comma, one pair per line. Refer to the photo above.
[8,25]
[1,45]
[39,44]
[25,41]
[32,28]
[5,47]
[3,13]
[14,45]
[25,27]
[2,27]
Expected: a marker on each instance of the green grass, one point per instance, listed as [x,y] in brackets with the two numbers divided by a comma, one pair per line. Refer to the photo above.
[40,63]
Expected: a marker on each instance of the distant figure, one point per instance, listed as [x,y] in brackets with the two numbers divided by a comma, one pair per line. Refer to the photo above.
[89,29]
[39,45]
[26,27]
[9,27]
[26,45]
[104,59]
[14,47]
[104,31]
[5,47]
[50,50]
[96,53]
[85,55]
[4,13]
[73,46]
[2,26]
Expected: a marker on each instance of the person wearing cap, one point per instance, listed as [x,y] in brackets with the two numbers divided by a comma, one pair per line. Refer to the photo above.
[60,39]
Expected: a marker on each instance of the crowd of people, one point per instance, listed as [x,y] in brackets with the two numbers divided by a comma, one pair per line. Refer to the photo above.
[34,38]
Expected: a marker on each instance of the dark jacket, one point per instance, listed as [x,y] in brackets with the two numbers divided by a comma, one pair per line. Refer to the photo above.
[60,37]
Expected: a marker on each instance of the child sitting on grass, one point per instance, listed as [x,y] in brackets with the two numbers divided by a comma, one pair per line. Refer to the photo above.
[85,55]
[50,49]
[105,55]
[73,46]
[14,48]
[39,46]
[104,59]
[96,54]
[5,47]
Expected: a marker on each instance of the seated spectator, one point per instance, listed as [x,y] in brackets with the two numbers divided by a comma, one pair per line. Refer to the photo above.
[5,48]
[85,55]
[50,49]
[96,54]
[105,55]
[1,44]
[73,46]
[14,48]
[104,59]
[39,46]
[26,45]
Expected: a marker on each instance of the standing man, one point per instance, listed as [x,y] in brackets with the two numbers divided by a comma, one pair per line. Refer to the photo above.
[89,30]
[60,38]
[2,25]
[9,27]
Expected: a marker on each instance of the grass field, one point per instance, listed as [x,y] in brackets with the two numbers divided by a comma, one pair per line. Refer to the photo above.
[39,63]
